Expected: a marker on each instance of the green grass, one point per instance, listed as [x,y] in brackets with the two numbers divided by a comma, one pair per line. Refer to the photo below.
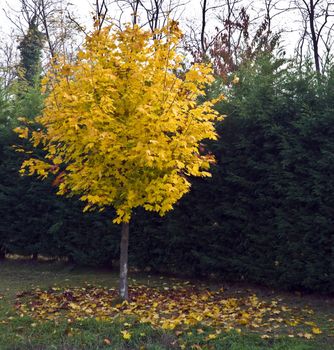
[91,334]
[21,333]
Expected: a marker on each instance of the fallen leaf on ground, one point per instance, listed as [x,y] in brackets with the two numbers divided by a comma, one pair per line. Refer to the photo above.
[177,308]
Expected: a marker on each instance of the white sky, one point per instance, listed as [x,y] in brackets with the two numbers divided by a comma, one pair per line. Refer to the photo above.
[83,9]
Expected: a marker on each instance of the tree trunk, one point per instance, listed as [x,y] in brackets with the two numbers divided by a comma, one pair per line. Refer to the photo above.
[203,43]
[314,37]
[123,278]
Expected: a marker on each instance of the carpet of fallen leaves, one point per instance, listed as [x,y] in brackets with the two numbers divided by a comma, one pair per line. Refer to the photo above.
[177,308]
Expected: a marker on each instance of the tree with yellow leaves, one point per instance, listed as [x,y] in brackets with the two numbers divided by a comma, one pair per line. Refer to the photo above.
[122,126]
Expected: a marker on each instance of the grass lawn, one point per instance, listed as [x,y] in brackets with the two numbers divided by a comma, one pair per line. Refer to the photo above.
[51,306]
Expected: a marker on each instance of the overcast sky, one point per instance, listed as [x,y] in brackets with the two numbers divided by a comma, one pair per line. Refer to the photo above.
[84,9]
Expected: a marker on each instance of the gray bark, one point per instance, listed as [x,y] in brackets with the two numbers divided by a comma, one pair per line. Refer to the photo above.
[123,278]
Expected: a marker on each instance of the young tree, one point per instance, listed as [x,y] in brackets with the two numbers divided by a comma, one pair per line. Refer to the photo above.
[122,127]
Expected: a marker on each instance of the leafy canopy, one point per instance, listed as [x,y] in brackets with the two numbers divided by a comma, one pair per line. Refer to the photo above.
[122,126]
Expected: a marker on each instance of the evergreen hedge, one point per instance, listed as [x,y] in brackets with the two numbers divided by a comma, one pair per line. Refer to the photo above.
[266,215]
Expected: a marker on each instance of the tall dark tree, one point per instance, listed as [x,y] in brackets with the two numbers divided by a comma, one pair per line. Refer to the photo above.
[30,48]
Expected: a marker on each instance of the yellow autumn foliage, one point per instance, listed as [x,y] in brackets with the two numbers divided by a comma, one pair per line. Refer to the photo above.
[122,123]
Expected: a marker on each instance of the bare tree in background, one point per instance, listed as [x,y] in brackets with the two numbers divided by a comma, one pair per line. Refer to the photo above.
[236,36]
[159,11]
[101,10]
[9,59]
[149,13]
[198,41]
[54,20]
[273,9]
[317,33]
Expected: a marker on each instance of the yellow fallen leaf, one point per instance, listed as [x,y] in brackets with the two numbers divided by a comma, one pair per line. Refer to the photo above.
[126,335]
[244,318]
[74,306]
[292,323]
[316,330]
[265,336]
[212,336]
[235,80]
[168,325]
[305,335]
